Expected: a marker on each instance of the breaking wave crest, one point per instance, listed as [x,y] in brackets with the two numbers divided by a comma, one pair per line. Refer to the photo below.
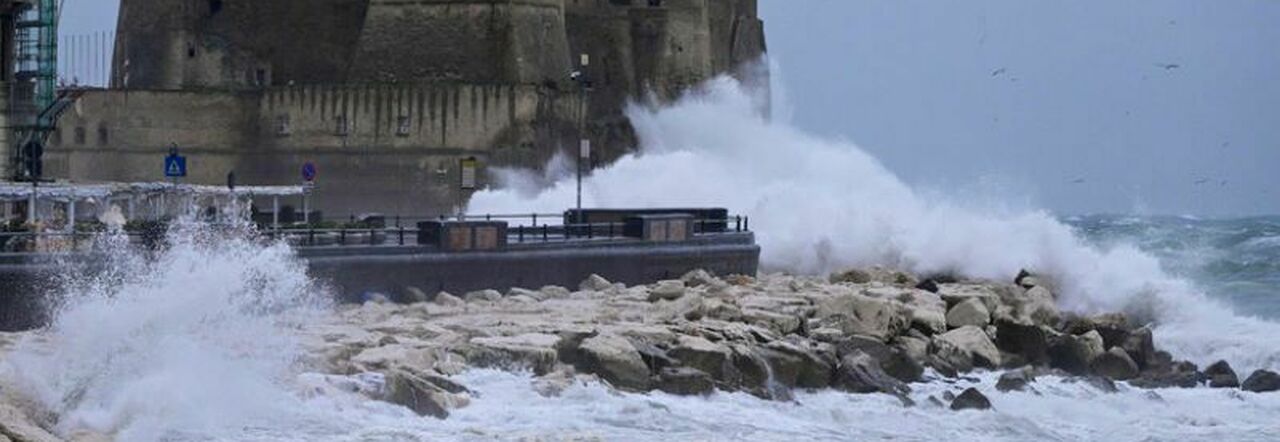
[818,204]
[191,340]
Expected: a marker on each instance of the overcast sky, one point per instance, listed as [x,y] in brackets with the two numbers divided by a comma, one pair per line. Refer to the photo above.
[1146,106]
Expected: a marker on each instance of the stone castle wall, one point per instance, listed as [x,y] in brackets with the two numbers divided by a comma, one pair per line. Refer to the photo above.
[387,95]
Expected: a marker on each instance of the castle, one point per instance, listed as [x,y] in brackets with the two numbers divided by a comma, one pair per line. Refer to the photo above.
[386,97]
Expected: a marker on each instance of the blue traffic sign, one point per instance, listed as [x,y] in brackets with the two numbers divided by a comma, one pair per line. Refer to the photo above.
[309,172]
[175,166]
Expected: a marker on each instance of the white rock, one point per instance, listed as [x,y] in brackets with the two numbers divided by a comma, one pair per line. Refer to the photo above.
[595,283]
[448,300]
[968,312]
[669,289]
[967,346]
[483,295]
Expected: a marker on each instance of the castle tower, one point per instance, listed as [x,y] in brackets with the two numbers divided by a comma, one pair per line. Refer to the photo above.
[483,41]
[225,44]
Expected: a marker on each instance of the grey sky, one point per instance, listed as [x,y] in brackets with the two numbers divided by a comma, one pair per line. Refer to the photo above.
[1148,106]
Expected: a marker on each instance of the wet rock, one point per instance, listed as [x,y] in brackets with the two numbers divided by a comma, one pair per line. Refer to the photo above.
[971,399]
[1180,375]
[1221,375]
[1114,364]
[534,351]
[1262,381]
[668,290]
[816,367]
[1029,341]
[1073,354]
[685,381]
[928,285]
[614,359]
[1140,346]
[1025,279]
[966,347]
[1038,305]
[483,296]
[595,283]
[1016,380]
[417,394]
[968,312]
[699,353]
[448,300]
[913,347]
[1101,384]
[858,372]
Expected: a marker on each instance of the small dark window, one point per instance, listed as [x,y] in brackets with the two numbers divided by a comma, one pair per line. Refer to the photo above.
[215,6]
[402,126]
[261,77]
[655,3]
[102,135]
[191,50]
[80,135]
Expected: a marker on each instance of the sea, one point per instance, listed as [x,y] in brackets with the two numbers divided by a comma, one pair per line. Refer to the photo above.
[196,343]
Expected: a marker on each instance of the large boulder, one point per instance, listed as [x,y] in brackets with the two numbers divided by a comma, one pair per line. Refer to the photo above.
[595,283]
[971,399]
[1038,305]
[1169,375]
[1221,375]
[954,294]
[1140,345]
[1027,340]
[863,315]
[1016,380]
[1262,381]
[534,351]
[699,353]
[816,365]
[966,347]
[483,296]
[1114,364]
[668,290]
[1073,354]
[858,372]
[968,312]
[448,300]
[685,381]
[421,396]
[894,360]
[614,359]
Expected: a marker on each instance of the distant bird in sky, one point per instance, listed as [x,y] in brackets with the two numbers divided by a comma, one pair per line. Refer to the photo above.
[997,72]
[1078,181]
[1201,181]
[1168,66]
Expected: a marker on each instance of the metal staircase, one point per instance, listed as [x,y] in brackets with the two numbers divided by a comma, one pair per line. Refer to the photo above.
[36,102]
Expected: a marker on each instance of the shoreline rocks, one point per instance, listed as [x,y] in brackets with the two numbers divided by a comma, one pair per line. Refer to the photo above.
[861,331]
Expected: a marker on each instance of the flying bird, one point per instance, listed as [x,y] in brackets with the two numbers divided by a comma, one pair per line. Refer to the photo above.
[1201,181]
[1078,181]
[997,72]
[1168,66]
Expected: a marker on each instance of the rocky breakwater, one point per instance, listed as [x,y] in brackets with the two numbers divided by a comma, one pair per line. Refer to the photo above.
[871,331]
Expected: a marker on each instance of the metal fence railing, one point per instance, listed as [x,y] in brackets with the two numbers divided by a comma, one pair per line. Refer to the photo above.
[521,229]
